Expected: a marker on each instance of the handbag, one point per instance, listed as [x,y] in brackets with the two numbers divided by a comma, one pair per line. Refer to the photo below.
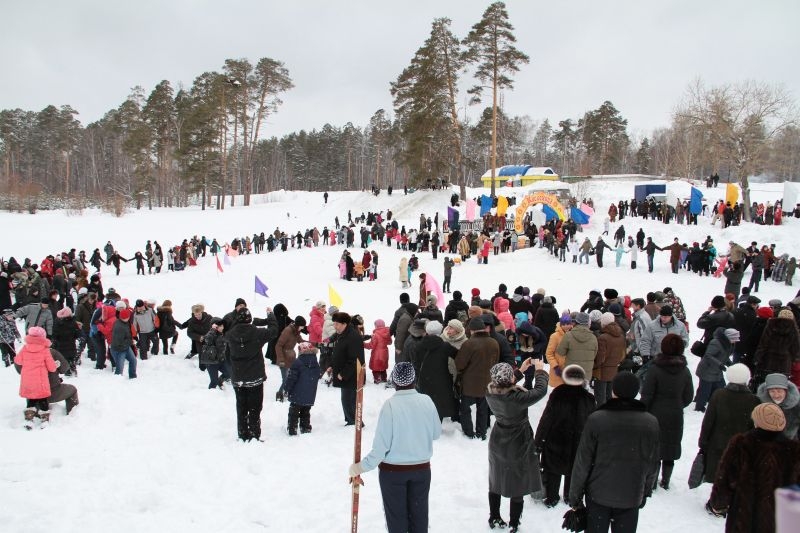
[697,470]
[575,519]
[698,348]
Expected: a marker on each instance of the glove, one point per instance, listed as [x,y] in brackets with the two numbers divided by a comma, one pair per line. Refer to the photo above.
[355,470]
[558,371]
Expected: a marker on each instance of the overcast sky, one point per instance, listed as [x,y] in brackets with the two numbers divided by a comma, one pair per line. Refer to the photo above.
[341,56]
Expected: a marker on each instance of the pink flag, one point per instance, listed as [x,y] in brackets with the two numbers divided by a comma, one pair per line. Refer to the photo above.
[471,205]
[587,209]
[432,286]
[219,267]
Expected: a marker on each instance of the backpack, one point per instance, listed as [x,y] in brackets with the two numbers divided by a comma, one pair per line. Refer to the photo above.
[462,316]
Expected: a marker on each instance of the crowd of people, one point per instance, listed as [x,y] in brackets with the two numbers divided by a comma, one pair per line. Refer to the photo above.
[589,362]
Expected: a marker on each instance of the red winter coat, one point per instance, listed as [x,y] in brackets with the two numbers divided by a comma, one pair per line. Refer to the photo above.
[315,325]
[487,245]
[108,316]
[35,361]
[379,344]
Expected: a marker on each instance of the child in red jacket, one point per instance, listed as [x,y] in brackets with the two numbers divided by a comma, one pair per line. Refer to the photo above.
[379,344]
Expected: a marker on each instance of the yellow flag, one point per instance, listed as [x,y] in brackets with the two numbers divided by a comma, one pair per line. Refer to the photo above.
[731,194]
[334,297]
[502,205]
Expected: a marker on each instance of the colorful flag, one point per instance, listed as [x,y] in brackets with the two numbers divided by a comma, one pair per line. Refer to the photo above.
[219,266]
[486,204]
[334,297]
[225,259]
[731,194]
[261,288]
[696,203]
[471,205]
[502,206]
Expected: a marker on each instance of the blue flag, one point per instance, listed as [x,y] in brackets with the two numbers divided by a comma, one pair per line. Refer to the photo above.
[261,288]
[696,203]
[486,204]
[452,218]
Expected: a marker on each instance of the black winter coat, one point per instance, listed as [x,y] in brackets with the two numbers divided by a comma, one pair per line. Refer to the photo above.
[618,456]
[667,390]
[65,333]
[452,309]
[727,414]
[561,425]
[711,321]
[518,304]
[167,324]
[213,350]
[349,348]
[432,357]
[245,342]
[302,379]
[547,318]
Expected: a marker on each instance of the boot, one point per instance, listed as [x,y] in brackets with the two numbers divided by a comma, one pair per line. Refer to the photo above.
[72,401]
[305,420]
[44,416]
[30,414]
[294,418]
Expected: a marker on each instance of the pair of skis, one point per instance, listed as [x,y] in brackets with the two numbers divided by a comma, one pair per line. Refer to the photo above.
[356,482]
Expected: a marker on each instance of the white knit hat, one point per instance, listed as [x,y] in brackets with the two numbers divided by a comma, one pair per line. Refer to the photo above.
[739,374]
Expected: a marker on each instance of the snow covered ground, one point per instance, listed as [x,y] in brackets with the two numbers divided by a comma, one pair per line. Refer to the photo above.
[160,453]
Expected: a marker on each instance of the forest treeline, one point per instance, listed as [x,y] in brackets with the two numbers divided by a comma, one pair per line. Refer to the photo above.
[210,142]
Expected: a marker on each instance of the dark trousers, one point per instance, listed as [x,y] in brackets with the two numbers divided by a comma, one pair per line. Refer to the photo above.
[249,401]
[218,373]
[465,415]
[100,349]
[515,508]
[602,392]
[301,414]
[446,284]
[349,405]
[8,353]
[41,404]
[704,391]
[148,342]
[405,500]
[755,279]
[552,482]
[599,518]
[165,342]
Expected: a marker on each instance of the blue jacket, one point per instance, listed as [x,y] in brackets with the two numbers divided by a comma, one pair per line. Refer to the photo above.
[302,379]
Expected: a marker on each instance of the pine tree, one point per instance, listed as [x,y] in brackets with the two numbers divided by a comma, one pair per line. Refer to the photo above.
[490,47]
[643,157]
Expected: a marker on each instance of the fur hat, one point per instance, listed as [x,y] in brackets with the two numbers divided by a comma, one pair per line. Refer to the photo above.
[417,328]
[125,314]
[610,294]
[615,309]
[718,302]
[300,321]
[66,312]
[457,295]
[672,345]
[306,347]
[502,374]
[606,319]
[433,327]
[547,300]
[574,375]
[625,385]
[476,324]
[36,331]
[540,291]
[786,313]
[341,317]
[403,374]
[594,315]
[776,381]
[582,319]
[769,417]
[739,374]
[166,303]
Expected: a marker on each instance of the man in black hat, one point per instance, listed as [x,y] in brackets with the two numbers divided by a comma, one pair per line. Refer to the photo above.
[617,463]
[745,317]
[348,349]
[716,316]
